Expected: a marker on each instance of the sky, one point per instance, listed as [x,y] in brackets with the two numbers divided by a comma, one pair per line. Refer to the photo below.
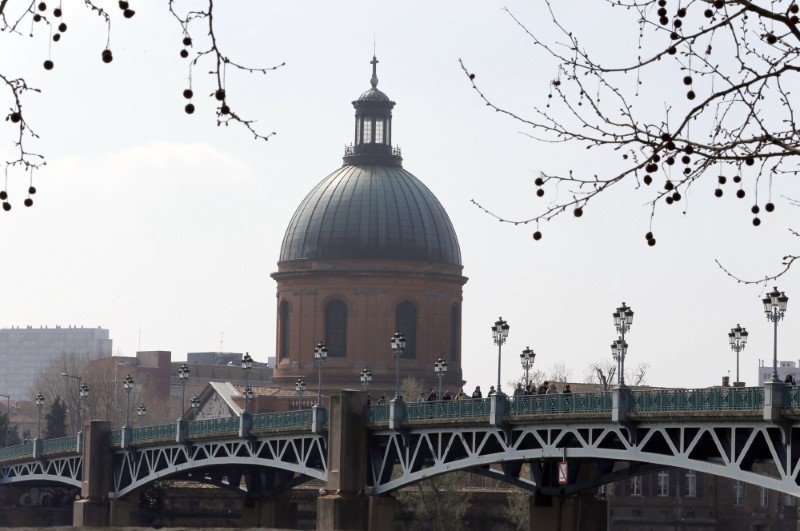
[164,228]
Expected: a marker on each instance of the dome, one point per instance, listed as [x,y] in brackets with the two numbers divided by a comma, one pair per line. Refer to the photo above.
[371,212]
[373,94]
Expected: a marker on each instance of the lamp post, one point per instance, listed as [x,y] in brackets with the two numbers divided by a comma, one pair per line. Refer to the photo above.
[398,343]
[127,384]
[195,406]
[775,307]
[320,354]
[39,399]
[366,378]
[526,358]
[8,419]
[183,377]
[623,319]
[499,335]
[80,397]
[299,388]
[440,368]
[738,339]
[247,364]
[141,411]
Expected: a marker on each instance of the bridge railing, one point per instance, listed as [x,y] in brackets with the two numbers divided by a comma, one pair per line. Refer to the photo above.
[212,427]
[716,399]
[300,418]
[559,403]
[19,450]
[60,445]
[791,397]
[448,409]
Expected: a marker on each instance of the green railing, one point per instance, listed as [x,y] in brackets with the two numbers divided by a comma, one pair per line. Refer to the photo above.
[18,450]
[212,427]
[559,403]
[791,397]
[377,414]
[116,438]
[60,445]
[448,409]
[162,432]
[717,399]
[300,418]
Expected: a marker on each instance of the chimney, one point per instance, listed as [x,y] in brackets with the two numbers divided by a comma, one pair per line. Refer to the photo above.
[726,381]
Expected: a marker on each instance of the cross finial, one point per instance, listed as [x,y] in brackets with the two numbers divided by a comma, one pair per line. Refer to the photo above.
[374,80]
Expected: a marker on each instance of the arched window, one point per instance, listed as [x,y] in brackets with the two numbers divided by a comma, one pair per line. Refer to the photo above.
[406,322]
[336,329]
[455,322]
[284,330]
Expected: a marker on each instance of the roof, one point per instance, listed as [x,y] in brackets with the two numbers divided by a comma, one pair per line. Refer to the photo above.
[373,94]
[371,212]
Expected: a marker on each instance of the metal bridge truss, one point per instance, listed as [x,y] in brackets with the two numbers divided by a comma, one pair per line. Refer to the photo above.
[597,453]
[64,469]
[262,466]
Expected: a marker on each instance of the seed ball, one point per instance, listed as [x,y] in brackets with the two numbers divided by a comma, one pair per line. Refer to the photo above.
[537,235]
[3,195]
[670,145]
[539,181]
[648,236]
[578,212]
[755,209]
[668,185]
[793,19]
[48,65]
[650,168]
[662,12]
[62,27]
[656,158]
[687,80]
[651,242]
[769,207]
[756,222]
[56,37]
[669,200]
[6,206]
[662,3]
[722,179]
[187,41]
[220,94]
[687,170]
[128,13]
[708,13]
[674,36]
[689,149]
[15,117]
[647,180]
[670,160]
[740,193]
[32,190]
[737,179]
[718,192]
[189,108]
[37,17]
[677,23]
[685,159]
[676,196]
[672,50]
[123,4]
[184,53]
[225,109]
[793,8]
[719,4]
[664,21]
[665,137]
[57,12]
[188,94]
[772,39]
[107,56]
[749,161]
[28,202]
[540,192]
[42,6]
[682,12]
[690,95]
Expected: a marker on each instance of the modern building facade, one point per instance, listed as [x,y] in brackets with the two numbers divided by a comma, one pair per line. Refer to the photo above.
[24,352]
[369,251]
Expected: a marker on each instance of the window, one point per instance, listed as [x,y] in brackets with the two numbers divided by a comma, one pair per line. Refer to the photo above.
[738,494]
[663,483]
[789,500]
[455,321]
[691,484]
[379,131]
[284,330]
[636,486]
[405,319]
[764,497]
[367,130]
[358,131]
[336,329]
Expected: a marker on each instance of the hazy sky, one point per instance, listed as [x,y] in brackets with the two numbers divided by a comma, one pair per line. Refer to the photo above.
[165,228]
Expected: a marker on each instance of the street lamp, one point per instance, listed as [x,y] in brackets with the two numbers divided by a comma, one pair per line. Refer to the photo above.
[83,392]
[398,342]
[440,368]
[366,378]
[195,406]
[526,358]
[183,377]
[8,419]
[299,388]
[499,335]
[39,399]
[320,354]
[623,319]
[247,364]
[738,339]
[775,307]
[127,384]
[141,411]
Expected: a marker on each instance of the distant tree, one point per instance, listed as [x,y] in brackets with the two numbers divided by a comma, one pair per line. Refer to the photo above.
[56,420]
[560,373]
[729,67]
[517,509]
[11,431]
[197,41]
[602,372]
[440,502]
[410,388]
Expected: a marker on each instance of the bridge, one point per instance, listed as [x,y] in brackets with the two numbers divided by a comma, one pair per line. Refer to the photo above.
[573,443]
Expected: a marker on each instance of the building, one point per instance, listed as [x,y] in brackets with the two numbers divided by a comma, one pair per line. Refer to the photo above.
[368,252]
[25,352]
[784,368]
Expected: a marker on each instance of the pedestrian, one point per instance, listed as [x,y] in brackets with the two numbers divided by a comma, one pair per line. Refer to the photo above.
[491,391]
[543,388]
[567,389]
[551,390]
[477,392]
[789,380]
[421,397]
[432,397]
[382,400]
[519,391]
[461,395]
[447,396]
